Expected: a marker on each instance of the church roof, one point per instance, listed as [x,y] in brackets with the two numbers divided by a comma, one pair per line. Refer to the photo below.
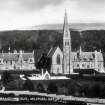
[87,56]
[52,51]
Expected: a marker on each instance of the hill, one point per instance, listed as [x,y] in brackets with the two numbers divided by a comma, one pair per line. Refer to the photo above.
[75,26]
[28,40]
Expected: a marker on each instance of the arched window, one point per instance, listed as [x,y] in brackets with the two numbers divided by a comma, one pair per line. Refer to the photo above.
[58,59]
[66,43]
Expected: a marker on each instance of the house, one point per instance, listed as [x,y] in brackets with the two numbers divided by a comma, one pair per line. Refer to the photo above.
[17,61]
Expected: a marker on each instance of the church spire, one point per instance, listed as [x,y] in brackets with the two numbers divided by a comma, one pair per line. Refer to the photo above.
[67,59]
[66,27]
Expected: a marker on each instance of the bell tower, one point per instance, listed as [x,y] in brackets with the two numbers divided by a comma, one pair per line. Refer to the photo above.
[67,60]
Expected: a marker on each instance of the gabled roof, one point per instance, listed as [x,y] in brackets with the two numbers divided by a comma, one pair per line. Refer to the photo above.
[88,55]
[15,56]
[7,56]
[52,51]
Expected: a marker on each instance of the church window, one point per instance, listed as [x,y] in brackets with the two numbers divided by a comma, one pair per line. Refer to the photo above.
[58,59]
[57,70]
[66,43]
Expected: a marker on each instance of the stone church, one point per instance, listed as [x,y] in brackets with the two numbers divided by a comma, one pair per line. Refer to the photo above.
[68,62]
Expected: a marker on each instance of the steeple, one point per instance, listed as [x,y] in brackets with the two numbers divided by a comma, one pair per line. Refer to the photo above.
[67,60]
[66,27]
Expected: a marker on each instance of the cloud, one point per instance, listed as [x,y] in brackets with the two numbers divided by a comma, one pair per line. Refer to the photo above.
[20,13]
[91,6]
[27,5]
[39,4]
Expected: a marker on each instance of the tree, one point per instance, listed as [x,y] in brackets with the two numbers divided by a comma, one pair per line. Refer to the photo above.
[44,62]
[28,85]
[52,88]
[40,88]
[6,78]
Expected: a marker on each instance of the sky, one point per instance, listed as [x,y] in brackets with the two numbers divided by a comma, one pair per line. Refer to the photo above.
[16,14]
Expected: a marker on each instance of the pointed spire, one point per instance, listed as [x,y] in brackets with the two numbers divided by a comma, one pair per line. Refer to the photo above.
[65,20]
[67,54]
[66,26]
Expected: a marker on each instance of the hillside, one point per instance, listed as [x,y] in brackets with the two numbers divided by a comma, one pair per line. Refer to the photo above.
[75,26]
[28,40]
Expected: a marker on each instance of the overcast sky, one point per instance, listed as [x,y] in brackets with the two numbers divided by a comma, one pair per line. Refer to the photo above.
[21,13]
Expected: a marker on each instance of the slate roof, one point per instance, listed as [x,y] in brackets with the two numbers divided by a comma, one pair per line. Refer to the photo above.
[15,57]
[87,56]
[51,52]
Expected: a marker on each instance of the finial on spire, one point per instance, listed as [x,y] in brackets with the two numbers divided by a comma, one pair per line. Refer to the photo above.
[65,19]
[65,12]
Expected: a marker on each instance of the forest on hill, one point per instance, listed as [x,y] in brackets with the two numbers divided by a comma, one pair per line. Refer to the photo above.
[30,40]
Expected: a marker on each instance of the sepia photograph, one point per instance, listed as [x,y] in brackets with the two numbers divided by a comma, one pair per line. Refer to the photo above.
[52,52]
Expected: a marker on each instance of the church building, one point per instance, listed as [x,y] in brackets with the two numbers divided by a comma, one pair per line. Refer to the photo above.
[68,62]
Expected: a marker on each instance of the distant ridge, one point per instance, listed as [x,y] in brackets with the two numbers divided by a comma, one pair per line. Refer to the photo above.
[75,26]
